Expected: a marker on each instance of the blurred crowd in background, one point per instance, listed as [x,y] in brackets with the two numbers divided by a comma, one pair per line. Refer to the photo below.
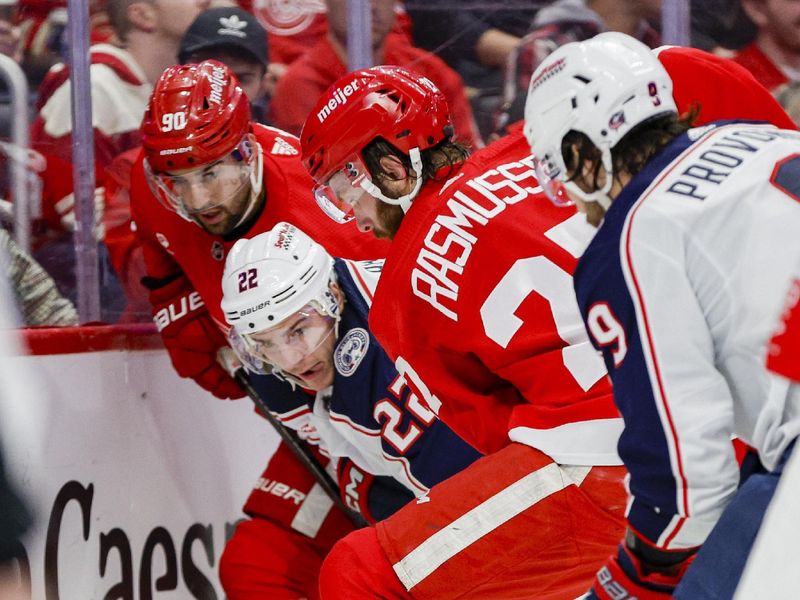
[286,54]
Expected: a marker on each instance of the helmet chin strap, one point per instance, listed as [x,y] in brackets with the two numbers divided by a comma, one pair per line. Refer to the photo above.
[600,196]
[404,202]
[256,181]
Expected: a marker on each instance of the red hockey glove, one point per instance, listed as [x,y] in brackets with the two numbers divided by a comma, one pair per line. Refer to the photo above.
[191,337]
[627,576]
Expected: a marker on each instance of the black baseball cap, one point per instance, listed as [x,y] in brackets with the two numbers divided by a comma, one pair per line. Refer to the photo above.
[225,27]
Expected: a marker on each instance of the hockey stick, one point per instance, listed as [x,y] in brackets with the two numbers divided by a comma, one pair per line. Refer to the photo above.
[302,454]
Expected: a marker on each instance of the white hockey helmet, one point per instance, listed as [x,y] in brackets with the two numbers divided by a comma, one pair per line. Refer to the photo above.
[272,276]
[602,87]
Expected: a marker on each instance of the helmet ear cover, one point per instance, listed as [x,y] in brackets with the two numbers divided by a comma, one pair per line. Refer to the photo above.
[244,150]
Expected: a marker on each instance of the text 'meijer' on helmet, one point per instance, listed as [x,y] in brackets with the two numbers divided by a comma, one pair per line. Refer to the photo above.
[273,275]
[197,115]
[405,109]
[602,87]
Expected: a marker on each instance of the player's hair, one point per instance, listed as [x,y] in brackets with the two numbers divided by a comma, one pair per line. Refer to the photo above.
[632,152]
[446,153]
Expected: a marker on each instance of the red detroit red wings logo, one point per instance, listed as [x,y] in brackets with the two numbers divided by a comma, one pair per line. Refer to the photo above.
[287,17]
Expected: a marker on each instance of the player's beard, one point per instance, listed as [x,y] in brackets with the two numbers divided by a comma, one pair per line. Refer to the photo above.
[221,227]
[389,219]
[229,215]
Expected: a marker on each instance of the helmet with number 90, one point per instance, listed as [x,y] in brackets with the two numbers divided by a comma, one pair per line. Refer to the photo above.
[198,115]
[602,87]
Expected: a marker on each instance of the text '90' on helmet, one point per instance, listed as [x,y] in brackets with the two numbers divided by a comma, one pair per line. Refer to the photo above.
[197,114]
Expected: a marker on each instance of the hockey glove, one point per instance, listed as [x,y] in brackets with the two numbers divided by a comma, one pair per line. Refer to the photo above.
[191,337]
[626,576]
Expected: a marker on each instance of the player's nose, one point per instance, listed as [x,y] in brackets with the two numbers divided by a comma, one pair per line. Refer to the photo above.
[198,197]
[363,222]
[293,357]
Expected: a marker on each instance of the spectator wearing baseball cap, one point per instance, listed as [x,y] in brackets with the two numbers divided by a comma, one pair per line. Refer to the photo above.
[236,38]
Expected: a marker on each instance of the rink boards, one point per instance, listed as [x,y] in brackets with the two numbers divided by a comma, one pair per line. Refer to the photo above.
[136,475]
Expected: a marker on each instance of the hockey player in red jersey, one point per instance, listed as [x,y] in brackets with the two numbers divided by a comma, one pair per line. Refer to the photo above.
[475,305]
[208,176]
[784,349]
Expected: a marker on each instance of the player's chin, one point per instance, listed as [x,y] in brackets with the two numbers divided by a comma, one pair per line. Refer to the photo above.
[215,228]
[382,233]
[318,377]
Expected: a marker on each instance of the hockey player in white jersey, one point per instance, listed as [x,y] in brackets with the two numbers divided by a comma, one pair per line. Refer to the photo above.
[698,236]
[299,317]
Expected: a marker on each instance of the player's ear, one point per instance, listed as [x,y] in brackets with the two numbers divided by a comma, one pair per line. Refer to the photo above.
[338,294]
[142,15]
[392,168]
[756,11]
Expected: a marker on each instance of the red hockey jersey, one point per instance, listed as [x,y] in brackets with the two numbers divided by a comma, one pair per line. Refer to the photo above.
[721,88]
[784,349]
[476,306]
[172,245]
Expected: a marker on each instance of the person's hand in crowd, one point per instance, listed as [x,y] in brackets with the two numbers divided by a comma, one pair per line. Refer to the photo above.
[66,211]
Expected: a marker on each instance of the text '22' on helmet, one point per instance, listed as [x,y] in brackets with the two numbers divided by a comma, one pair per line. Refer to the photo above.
[271,277]
[393,103]
[197,115]
[602,87]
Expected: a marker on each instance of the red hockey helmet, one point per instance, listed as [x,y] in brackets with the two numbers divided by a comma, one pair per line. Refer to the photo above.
[393,103]
[197,114]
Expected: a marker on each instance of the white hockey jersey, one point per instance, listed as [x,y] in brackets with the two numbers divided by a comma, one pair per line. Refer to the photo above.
[369,414]
[681,289]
